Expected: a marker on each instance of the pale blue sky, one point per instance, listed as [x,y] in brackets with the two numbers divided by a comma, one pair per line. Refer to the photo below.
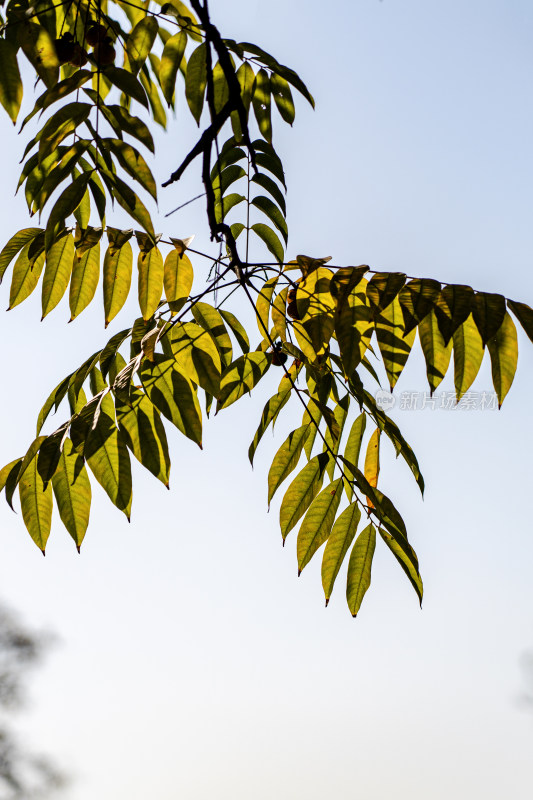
[193,663]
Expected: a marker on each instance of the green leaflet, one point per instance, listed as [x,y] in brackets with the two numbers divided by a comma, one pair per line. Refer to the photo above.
[316,308]
[211,320]
[241,376]
[60,125]
[140,42]
[522,312]
[467,355]
[301,493]
[383,288]
[39,49]
[337,546]
[144,433]
[20,467]
[58,92]
[10,81]
[127,83]
[197,355]
[503,350]
[271,210]
[109,461]
[272,188]
[220,88]
[333,442]
[159,115]
[488,311]
[15,245]
[127,198]
[279,318]
[271,162]
[150,266]
[72,490]
[53,401]
[394,345]
[50,453]
[82,214]
[173,394]
[177,279]
[263,303]
[261,103]
[286,459]
[246,78]
[317,523]
[452,307]
[371,471]
[135,165]
[436,352]
[36,505]
[26,274]
[65,205]
[268,236]
[116,279]
[237,329]
[281,92]
[359,568]
[170,63]
[123,122]
[57,272]
[353,322]
[7,470]
[407,563]
[352,450]
[416,299]
[195,81]
[84,281]
[268,417]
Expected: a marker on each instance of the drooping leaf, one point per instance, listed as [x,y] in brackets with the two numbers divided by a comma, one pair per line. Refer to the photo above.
[408,563]
[26,274]
[338,544]
[270,239]
[417,298]
[197,355]
[263,303]
[383,288]
[72,490]
[503,350]
[371,471]
[170,63]
[467,355]
[36,505]
[195,81]
[279,318]
[241,376]
[281,92]
[151,268]
[353,323]
[273,213]
[452,307]
[332,443]
[211,321]
[317,523]
[10,80]
[140,42]
[116,279]
[436,352]
[237,329]
[15,245]
[522,312]
[394,345]
[65,205]
[261,102]
[316,308]
[173,394]
[84,280]
[144,433]
[57,272]
[177,279]
[352,451]
[109,461]
[359,568]
[286,459]
[127,83]
[60,125]
[488,311]
[301,493]
[132,161]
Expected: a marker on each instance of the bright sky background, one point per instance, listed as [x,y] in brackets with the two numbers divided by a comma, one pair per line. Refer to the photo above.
[192,662]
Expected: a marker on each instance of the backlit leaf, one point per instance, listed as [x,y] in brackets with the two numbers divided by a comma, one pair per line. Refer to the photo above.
[144,433]
[140,42]
[195,81]
[241,376]
[467,356]
[150,266]
[173,394]
[338,544]
[84,280]
[36,505]
[72,490]
[116,279]
[359,568]
[109,461]
[57,272]
[318,522]
[503,350]
[170,62]
[302,492]
[408,563]
[286,459]
[197,356]
[436,352]
[394,345]
[10,81]
[177,279]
